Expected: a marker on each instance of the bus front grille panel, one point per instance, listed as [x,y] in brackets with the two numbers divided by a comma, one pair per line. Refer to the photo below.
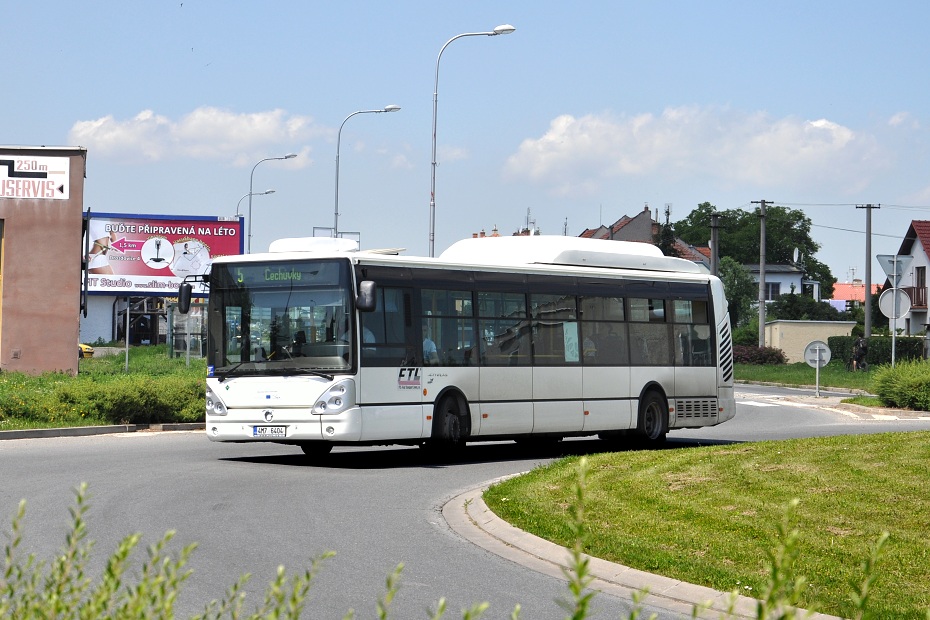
[696,408]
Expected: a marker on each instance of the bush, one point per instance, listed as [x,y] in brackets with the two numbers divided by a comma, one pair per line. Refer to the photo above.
[156,390]
[135,399]
[743,354]
[906,385]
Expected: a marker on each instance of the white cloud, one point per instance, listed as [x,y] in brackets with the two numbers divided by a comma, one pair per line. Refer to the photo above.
[206,133]
[905,120]
[700,144]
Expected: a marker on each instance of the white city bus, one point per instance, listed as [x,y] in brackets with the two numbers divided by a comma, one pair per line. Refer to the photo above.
[317,344]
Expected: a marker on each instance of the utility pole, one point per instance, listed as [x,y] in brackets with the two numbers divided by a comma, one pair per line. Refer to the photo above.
[714,241]
[868,267]
[761,204]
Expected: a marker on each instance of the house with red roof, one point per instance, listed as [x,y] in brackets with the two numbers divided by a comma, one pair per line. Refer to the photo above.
[849,295]
[642,228]
[914,279]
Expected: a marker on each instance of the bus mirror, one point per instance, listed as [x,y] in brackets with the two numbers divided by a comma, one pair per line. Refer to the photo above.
[184,298]
[366,300]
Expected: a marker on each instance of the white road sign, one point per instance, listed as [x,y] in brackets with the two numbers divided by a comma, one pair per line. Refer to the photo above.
[894,303]
[894,266]
[34,178]
[817,354]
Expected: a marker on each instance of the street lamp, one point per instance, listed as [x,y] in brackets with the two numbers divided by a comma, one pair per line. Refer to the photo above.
[503,29]
[387,108]
[288,156]
[264,193]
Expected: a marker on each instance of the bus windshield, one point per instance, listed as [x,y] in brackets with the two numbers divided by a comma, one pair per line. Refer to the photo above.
[281,318]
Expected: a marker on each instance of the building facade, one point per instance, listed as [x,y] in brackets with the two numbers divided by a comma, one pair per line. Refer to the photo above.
[41,215]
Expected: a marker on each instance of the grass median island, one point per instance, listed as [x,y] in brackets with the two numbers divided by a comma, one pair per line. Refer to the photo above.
[156,389]
[709,515]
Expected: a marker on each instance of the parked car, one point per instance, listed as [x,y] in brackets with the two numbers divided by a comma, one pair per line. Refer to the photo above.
[85,350]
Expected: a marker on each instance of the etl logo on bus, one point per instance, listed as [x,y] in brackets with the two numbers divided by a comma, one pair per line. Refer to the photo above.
[408,379]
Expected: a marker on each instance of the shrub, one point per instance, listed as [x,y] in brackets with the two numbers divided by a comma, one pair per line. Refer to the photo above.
[136,399]
[906,385]
[743,354]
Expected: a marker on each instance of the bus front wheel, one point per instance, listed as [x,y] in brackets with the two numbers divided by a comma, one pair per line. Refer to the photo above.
[653,418]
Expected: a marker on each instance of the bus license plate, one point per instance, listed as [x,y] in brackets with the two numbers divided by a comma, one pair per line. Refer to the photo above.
[267,431]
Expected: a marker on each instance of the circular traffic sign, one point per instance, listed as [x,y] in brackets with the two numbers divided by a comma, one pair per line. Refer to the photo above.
[817,354]
[894,303]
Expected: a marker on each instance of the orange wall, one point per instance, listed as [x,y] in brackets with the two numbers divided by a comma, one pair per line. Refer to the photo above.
[41,272]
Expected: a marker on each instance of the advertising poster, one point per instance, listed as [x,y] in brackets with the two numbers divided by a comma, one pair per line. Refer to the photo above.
[139,255]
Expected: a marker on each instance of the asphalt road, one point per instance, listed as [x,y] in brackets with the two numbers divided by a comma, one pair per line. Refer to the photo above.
[254,507]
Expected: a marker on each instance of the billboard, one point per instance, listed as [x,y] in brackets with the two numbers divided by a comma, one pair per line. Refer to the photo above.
[138,255]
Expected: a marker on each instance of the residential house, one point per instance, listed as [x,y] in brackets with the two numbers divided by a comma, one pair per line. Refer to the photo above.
[642,228]
[780,280]
[914,278]
[849,295]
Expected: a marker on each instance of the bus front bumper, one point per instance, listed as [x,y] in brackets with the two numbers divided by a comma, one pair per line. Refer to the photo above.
[284,425]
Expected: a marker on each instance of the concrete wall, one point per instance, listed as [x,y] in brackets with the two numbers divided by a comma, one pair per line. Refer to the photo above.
[792,337]
[41,207]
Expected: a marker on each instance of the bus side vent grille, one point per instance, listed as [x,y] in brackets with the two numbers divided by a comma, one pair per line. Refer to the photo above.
[697,408]
[726,353]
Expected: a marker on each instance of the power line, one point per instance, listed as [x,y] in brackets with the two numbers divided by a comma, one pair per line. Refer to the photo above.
[861,232]
[849,204]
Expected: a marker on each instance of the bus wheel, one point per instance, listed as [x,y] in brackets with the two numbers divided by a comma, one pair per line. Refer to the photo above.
[653,418]
[316,449]
[451,425]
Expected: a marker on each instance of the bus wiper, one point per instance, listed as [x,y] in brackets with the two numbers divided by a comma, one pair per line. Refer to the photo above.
[297,370]
[225,375]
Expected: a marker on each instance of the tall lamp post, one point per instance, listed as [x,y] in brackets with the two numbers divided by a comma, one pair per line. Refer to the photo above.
[264,193]
[251,176]
[387,108]
[503,29]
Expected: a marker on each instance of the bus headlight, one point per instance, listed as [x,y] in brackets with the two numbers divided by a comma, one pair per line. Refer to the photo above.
[336,399]
[214,405]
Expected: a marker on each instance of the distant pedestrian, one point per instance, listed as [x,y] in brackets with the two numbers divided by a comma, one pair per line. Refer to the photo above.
[860,350]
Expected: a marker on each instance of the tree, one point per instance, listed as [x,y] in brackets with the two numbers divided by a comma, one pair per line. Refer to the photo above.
[739,233]
[794,307]
[742,291]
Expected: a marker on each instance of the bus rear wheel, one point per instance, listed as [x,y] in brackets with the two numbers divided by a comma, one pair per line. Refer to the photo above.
[451,425]
[653,418]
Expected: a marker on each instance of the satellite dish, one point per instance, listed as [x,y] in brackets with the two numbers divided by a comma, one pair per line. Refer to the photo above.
[796,255]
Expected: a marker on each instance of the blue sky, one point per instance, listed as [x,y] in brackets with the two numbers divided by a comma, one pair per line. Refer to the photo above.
[587,112]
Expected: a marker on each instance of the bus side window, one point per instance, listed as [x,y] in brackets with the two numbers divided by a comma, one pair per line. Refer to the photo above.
[692,333]
[387,329]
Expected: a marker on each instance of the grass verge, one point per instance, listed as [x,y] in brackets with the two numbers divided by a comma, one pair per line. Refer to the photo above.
[708,515]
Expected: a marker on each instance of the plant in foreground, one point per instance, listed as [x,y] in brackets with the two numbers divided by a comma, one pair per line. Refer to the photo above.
[31,589]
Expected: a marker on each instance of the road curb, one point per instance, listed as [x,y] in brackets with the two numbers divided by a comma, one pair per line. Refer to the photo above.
[468,516]
[84,431]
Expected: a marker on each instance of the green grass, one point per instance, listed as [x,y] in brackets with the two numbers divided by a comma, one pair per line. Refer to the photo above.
[833,374]
[709,515]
